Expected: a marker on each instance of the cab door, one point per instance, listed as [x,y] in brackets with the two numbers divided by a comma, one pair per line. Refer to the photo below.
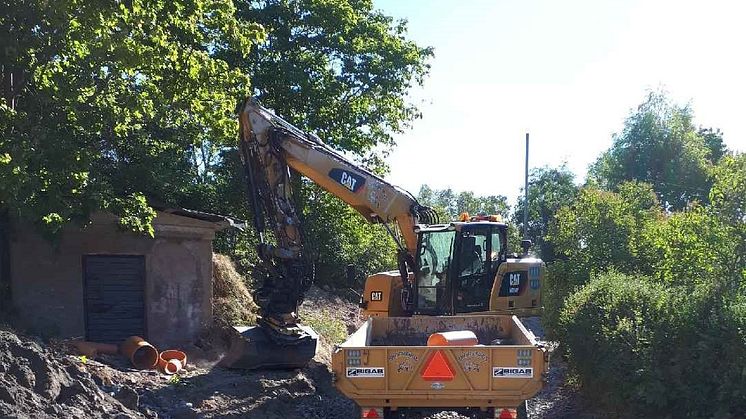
[478,254]
[433,271]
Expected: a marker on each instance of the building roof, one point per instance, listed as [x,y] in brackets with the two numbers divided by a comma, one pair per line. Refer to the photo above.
[225,220]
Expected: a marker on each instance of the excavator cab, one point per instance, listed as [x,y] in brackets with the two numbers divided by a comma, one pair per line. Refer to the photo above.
[456,265]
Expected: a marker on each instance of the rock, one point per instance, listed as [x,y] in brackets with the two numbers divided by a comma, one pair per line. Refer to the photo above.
[184,412]
[23,375]
[53,410]
[128,397]
[5,394]
[69,392]
[149,413]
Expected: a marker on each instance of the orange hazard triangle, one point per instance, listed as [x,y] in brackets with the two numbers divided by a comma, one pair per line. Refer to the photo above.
[437,368]
[372,413]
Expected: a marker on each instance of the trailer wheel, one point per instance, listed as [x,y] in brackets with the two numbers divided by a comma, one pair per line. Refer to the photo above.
[522,410]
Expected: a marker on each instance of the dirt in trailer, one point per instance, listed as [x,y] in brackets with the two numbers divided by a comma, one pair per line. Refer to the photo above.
[44,381]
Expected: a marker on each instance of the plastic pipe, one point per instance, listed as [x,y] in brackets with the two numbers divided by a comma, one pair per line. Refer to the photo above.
[455,338]
[142,354]
[170,355]
[172,366]
[91,349]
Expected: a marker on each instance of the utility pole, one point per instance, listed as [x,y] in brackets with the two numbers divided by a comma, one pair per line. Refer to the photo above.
[525,199]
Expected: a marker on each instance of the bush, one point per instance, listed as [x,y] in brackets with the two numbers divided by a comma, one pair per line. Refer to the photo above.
[639,347]
[605,328]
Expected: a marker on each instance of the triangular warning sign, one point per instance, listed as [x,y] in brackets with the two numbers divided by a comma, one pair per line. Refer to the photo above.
[437,368]
[372,413]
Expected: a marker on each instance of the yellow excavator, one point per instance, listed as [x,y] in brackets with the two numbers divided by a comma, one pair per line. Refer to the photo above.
[443,268]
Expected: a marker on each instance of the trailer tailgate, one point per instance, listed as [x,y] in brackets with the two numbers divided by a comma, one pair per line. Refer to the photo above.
[501,374]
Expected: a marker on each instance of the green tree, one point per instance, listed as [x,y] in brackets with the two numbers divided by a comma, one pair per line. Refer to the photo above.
[336,236]
[342,70]
[728,197]
[598,232]
[430,197]
[603,230]
[109,102]
[338,68]
[549,189]
[617,325]
[450,204]
[648,348]
[661,146]
[714,142]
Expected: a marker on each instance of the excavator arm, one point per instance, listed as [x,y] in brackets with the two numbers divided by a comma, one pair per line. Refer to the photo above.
[270,147]
[375,199]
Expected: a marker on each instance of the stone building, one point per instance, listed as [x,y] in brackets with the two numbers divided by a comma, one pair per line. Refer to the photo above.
[103,284]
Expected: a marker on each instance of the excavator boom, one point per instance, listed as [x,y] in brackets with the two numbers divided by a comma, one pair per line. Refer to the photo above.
[270,147]
[373,197]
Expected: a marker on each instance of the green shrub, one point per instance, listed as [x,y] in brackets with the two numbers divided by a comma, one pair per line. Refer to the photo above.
[639,347]
[605,328]
[558,285]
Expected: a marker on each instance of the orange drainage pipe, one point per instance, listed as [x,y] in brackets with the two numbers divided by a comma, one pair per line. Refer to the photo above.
[142,354]
[91,349]
[172,361]
[172,366]
[455,338]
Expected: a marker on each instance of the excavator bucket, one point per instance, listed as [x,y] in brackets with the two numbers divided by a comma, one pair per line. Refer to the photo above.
[253,348]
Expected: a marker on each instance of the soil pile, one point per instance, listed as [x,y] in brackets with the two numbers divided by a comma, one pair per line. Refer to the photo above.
[37,382]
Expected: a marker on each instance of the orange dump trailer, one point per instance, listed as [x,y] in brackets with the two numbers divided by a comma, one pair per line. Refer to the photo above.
[387,368]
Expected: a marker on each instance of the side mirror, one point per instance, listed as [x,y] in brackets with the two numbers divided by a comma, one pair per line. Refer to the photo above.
[525,245]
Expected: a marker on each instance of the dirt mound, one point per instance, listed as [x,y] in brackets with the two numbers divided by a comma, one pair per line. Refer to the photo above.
[36,382]
[232,301]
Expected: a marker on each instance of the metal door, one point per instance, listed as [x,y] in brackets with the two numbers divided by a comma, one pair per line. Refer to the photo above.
[114,297]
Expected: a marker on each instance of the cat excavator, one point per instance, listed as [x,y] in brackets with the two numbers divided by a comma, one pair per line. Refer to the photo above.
[443,268]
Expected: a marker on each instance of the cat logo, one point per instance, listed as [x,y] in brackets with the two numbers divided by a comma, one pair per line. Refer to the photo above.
[515,282]
[347,179]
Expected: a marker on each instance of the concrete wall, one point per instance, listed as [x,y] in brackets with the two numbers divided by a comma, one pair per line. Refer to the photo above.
[47,279]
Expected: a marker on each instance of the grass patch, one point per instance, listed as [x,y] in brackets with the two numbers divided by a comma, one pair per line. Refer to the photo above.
[232,303]
[325,324]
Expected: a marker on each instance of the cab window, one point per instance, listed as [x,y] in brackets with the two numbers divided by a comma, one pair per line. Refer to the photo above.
[433,261]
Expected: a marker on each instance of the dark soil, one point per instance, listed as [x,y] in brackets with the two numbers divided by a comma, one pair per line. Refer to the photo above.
[39,382]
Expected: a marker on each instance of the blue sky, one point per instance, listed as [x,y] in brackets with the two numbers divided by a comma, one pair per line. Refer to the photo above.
[568,72]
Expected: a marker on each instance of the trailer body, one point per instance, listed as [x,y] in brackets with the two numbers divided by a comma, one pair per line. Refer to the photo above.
[386,366]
